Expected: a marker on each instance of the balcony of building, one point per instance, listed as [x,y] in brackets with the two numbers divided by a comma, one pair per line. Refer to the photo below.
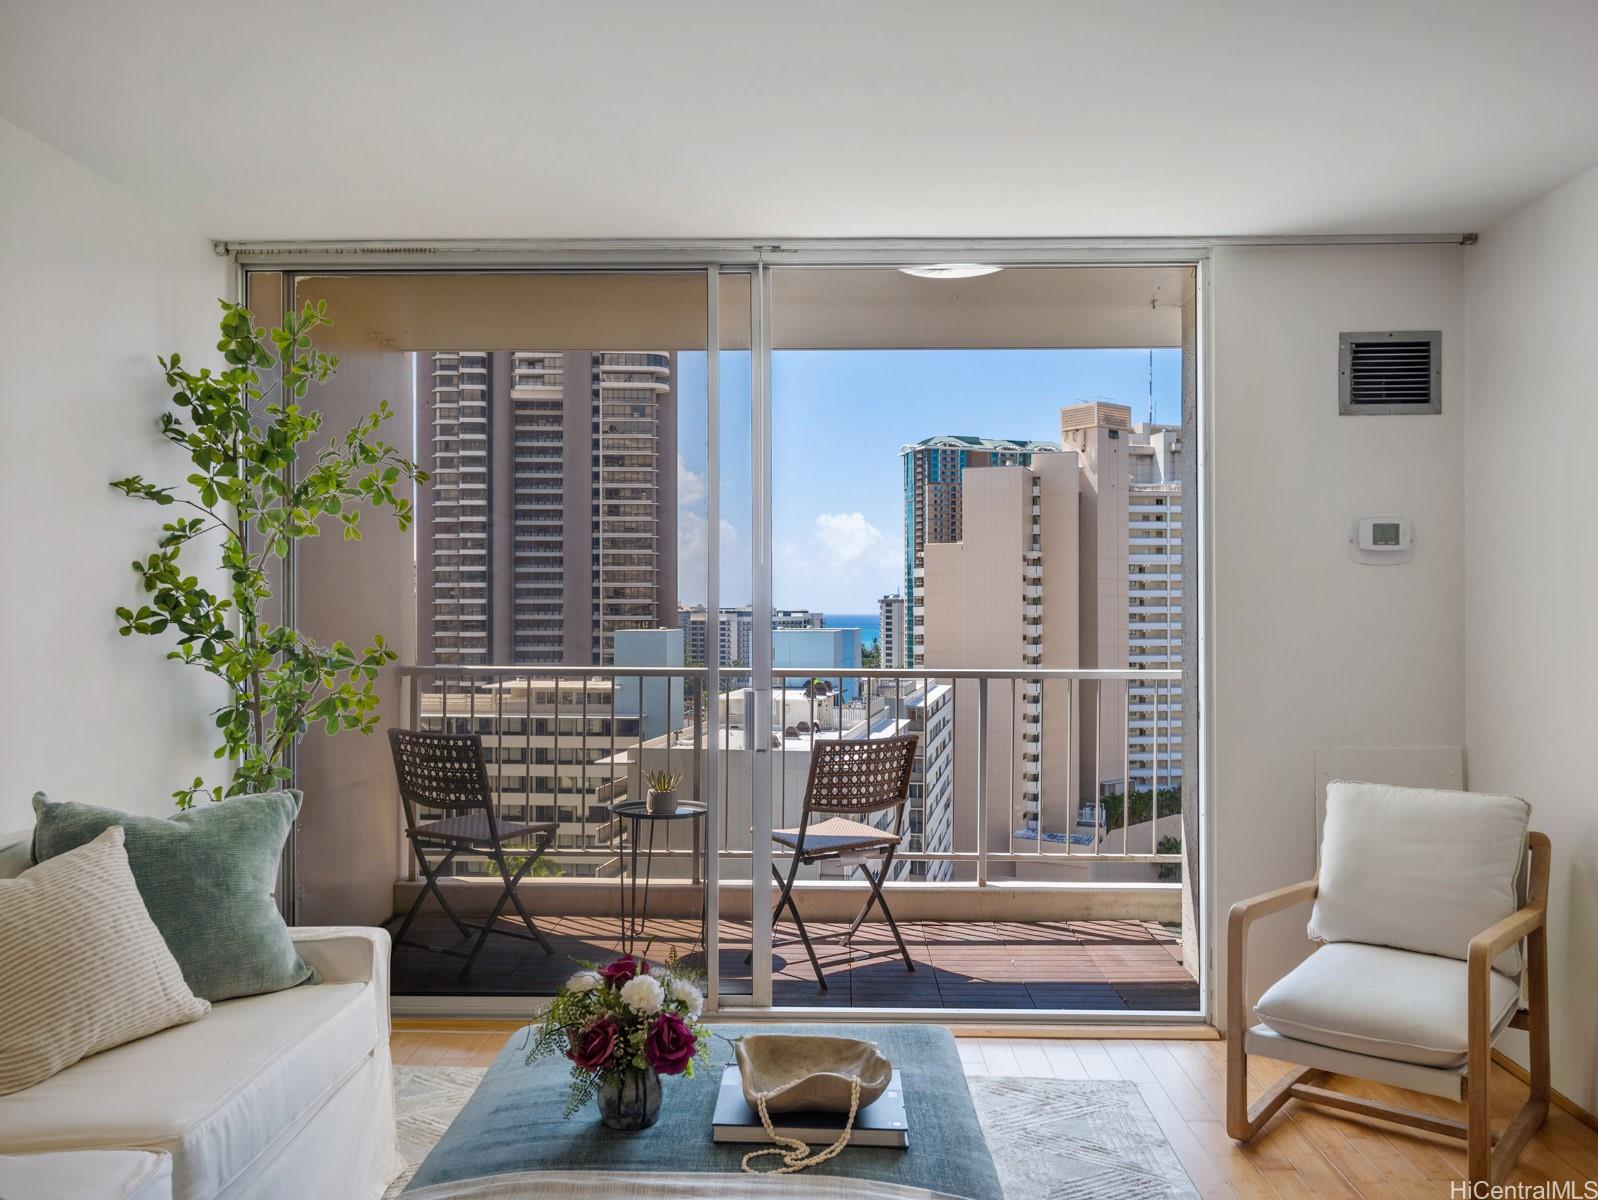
[1024,880]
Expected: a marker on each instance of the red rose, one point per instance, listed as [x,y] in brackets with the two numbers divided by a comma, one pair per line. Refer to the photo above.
[623,969]
[670,1044]
[592,1045]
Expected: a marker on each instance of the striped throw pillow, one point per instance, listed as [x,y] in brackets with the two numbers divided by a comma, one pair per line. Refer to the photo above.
[85,967]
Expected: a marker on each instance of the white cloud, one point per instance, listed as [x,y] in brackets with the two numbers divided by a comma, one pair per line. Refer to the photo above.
[693,544]
[690,486]
[843,565]
[848,538]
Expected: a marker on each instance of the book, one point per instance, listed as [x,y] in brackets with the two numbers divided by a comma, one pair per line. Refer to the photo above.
[884,1122]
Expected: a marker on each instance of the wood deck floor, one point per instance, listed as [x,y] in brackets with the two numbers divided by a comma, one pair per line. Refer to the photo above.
[1070,965]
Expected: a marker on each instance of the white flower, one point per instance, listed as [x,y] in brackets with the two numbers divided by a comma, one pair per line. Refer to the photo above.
[643,994]
[584,981]
[687,995]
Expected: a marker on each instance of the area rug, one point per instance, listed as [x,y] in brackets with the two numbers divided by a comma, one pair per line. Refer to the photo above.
[1051,1139]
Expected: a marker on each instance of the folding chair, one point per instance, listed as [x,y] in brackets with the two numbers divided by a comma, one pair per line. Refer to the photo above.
[850,779]
[446,771]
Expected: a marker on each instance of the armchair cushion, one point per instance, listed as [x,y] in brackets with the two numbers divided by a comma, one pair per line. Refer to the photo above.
[1387,1003]
[1418,869]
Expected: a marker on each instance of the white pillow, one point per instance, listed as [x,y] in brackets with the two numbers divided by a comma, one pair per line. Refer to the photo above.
[85,967]
[1418,869]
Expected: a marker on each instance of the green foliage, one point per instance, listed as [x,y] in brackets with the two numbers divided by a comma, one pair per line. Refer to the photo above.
[1114,807]
[542,869]
[257,490]
[871,656]
[1169,872]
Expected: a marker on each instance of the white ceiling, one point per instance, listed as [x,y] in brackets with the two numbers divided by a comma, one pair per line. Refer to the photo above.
[804,118]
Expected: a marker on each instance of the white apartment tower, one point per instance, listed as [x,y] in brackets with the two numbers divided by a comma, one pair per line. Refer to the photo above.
[1006,595]
[736,630]
[892,642]
[934,472]
[1131,589]
[1154,605]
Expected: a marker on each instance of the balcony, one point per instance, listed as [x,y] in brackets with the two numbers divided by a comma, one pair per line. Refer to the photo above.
[1107,965]
[1019,884]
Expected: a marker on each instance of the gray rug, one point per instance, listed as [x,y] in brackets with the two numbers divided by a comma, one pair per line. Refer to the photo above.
[1051,1139]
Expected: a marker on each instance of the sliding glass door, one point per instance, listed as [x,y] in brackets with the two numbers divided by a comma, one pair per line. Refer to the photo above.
[697,519]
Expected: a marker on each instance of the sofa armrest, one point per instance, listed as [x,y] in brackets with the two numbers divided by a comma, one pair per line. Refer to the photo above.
[348,954]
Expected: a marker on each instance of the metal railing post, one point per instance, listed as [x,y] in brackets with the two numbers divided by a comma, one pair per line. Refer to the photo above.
[982,781]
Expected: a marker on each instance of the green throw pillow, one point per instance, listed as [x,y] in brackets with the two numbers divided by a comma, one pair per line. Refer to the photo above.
[206,875]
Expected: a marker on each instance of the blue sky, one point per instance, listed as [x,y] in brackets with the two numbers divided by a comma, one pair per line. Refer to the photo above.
[838,420]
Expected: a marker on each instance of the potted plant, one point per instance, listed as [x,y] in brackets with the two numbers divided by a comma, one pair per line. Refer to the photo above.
[255,490]
[662,792]
[623,1026]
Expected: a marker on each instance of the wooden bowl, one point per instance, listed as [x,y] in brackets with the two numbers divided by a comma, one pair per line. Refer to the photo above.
[801,1072]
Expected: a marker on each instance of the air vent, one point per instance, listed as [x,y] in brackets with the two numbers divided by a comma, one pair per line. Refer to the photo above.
[1390,372]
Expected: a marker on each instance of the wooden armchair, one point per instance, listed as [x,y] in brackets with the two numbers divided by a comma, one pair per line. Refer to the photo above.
[1421,905]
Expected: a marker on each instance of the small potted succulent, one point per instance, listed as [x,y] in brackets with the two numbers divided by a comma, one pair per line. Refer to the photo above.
[623,1026]
[662,792]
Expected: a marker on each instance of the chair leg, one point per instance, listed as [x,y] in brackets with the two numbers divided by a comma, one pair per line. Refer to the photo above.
[505,895]
[881,902]
[429,884]
[785,898]
[516,899]
[1491,1161]
[1478,1115]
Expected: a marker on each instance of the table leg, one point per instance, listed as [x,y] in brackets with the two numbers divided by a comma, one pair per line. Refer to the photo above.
[630,890]
[649,869]
[702,869]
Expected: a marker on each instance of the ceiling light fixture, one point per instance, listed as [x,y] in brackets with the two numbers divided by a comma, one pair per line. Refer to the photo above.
[951,270]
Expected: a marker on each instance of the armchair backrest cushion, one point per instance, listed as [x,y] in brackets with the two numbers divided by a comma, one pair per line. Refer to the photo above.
[1419,869]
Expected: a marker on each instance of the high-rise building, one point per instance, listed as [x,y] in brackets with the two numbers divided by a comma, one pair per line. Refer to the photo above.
[1006,595]
[934,470]
[1014,592]
[1131,587]
[551,521]
[891,641]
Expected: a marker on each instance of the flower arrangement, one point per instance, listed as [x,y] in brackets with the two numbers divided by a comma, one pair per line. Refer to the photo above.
[626,1019]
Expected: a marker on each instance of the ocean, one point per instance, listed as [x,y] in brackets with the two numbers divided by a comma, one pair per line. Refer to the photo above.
[869,624]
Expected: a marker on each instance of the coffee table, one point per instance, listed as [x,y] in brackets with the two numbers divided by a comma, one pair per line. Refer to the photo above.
[513,1121]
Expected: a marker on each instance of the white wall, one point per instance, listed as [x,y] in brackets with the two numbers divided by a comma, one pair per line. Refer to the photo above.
[1308,648]
[1531,570]
[94,283]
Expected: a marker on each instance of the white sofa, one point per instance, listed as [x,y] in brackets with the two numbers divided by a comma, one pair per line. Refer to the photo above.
[287,1096]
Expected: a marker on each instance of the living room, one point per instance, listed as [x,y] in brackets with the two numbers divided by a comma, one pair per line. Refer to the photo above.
[1105,514]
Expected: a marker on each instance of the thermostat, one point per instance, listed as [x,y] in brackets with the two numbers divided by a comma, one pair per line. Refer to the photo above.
[1380,541]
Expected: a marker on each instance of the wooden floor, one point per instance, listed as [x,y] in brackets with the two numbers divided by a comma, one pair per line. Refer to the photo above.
[1074,965]
[1304,1154]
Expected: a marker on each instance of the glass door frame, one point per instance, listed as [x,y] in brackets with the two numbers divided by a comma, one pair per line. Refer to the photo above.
[721,258]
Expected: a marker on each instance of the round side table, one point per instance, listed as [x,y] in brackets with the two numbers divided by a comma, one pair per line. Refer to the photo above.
[635,814]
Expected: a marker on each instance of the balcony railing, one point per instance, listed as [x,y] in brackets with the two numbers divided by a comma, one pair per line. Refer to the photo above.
[1020,773]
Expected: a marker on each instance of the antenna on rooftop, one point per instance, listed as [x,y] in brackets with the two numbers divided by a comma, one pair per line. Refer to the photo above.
[1151,385]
